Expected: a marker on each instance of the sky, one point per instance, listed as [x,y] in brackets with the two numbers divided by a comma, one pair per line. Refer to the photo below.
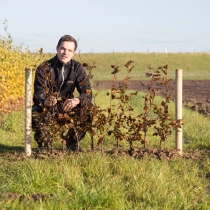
[102,26]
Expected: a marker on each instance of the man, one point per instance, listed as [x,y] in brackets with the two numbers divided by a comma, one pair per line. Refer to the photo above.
[54,86]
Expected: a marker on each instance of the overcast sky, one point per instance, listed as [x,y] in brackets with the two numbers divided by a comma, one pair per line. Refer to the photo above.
[110,25]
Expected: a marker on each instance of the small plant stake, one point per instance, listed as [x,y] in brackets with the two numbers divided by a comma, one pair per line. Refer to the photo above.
[28,106]
[178,108]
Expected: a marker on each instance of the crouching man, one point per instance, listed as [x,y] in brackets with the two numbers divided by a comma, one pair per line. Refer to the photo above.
[54,86]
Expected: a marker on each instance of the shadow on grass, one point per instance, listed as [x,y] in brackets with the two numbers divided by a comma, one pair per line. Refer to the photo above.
[8,149]
[190,142]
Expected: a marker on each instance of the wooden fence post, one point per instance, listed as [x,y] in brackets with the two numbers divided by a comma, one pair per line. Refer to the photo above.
[178,108]
[28,106]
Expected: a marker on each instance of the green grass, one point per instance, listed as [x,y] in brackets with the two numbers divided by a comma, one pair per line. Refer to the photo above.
[98,181]
[91,181]
[195,66]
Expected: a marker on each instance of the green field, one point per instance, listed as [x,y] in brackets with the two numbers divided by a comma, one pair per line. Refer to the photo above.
[195,66]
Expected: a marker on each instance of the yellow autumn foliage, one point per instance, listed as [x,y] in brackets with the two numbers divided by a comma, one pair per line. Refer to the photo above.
[13,61]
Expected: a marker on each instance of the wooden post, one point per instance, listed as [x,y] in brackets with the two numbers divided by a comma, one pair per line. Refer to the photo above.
[28,107]
[178,107]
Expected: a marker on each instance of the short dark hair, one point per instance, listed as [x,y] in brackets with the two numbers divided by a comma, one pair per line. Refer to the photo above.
[67,38]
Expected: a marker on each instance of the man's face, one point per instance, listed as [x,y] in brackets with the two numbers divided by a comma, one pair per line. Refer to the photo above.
[65,51]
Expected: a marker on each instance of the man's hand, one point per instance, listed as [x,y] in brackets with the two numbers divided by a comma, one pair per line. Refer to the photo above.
[70,103]
[50,101]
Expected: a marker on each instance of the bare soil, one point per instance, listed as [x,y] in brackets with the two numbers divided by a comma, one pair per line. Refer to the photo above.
[136,152]
[196,93]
